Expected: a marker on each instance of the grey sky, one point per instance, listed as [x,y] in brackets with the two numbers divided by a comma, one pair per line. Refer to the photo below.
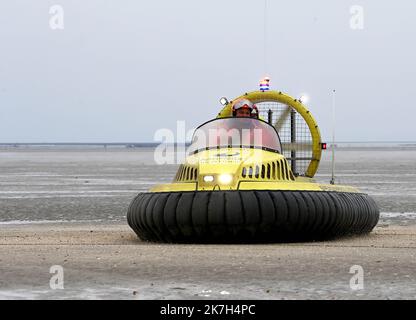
[120,70]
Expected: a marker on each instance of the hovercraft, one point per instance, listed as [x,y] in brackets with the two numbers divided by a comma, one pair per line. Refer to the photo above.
[250,179]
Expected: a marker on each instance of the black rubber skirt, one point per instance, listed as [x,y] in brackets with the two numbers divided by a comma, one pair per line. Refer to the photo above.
[250,216]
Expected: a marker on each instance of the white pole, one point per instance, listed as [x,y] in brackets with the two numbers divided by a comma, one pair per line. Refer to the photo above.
[265,38]
[333,138]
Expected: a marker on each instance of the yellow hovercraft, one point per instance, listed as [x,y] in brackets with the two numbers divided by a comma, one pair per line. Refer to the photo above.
[250,180]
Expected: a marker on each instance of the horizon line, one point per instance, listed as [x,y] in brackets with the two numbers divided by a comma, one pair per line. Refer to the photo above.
[160,142]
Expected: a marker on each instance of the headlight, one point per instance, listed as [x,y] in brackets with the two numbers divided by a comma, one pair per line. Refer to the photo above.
[225,178]
[208,178]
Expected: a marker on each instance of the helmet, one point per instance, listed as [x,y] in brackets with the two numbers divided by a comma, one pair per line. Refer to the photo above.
[245,104]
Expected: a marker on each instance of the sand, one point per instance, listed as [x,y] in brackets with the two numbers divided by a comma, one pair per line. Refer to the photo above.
[105,261]
[43,191]
[91,184]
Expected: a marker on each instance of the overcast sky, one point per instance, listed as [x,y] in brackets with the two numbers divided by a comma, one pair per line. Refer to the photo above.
[120,70]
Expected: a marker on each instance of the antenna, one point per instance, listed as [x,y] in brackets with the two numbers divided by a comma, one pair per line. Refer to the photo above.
[265,37]
[333,139]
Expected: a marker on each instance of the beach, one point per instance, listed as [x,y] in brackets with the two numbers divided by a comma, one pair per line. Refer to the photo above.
[68,207]
[109,262]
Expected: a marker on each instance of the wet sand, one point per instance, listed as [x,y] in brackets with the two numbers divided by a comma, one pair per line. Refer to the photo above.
[42,191]
[98,184]
[103,261]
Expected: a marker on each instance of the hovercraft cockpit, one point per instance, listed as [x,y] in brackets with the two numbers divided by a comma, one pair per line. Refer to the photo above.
[235,132]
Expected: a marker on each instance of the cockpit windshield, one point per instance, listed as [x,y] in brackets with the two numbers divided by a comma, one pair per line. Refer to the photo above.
[237,133]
